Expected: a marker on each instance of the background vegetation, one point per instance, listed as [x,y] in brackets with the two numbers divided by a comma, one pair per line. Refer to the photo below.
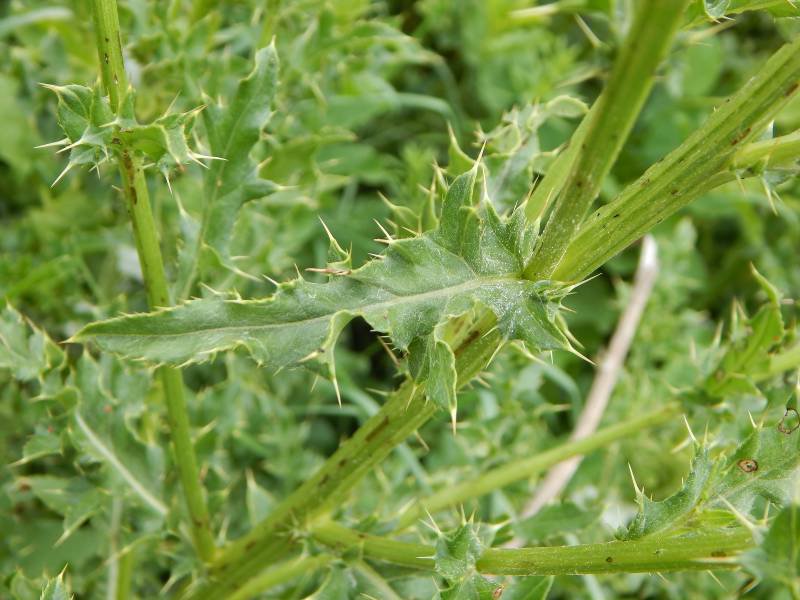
[371,95]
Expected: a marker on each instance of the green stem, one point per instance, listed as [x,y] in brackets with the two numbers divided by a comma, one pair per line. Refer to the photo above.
[692,552]
[700,551]
[281,574]
[137,200]
[610,121]
[125,576]
[517,470]
[553,181]
[109,49]
[341,539]
[403,413]
[685,173]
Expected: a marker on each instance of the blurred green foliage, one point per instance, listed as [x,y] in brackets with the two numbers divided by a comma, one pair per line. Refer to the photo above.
[370,97]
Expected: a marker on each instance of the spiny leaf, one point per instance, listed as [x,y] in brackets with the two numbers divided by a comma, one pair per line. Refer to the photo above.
[25,351]
[98,429]
[777,559]
[751,344]
[56,589]
[93,130]
[74,498]
[338,584]
[233,131]
[474,257]
[763,466]
[456,555]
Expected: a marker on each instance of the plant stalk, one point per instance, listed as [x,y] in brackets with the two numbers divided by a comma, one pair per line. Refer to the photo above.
[517,470]
[402,414]
[137,201]
[609,123]
[246,557]
[701,551]
[685,172]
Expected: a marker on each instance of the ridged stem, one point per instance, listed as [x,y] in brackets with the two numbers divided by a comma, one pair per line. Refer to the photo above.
[700,551]
[524,468]
[137,201]
[609,123]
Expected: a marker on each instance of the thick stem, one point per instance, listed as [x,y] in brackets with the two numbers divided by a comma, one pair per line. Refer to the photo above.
[686,171]
[528,467]
[610,121]
[137,200]
[701,551]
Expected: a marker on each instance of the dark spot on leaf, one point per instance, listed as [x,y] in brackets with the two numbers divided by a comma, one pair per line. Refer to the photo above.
[748,465]
[616,215]
[609,559]
[792,88]
[250,545]
[718,553]
[790,421]
[324,479]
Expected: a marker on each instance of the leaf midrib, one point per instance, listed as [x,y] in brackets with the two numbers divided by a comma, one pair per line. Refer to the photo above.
[397,300]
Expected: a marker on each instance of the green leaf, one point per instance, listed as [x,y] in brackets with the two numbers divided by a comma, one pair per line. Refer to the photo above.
[56,589]
[74,499]
[777,558]
[24,350]
[42,443]
[338,584]
[529,588]
[98,429]
[556,519]
[233,131]
[473,258]
[457,552]
[720,488]
[456,555]
[472,587]
[656,517]
[93,130]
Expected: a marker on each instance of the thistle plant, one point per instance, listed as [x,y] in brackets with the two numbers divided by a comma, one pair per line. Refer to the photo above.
[479,268]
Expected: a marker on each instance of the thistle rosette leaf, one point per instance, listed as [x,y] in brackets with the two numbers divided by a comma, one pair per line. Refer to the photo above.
[474,258]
